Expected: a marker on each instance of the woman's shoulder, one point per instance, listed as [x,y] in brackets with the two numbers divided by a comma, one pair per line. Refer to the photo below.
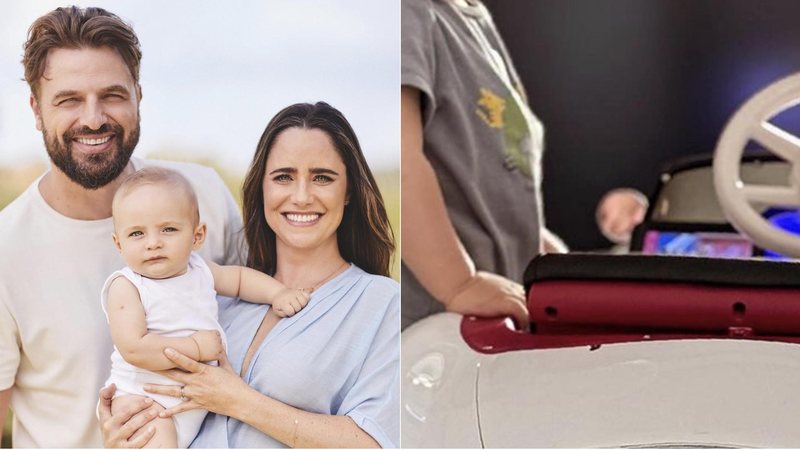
[373,301]
[376,281]
[376,287]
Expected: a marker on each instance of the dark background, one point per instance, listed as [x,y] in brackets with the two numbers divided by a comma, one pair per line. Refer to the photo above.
[624,86]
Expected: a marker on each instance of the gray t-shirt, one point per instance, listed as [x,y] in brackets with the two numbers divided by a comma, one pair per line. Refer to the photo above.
[481,138]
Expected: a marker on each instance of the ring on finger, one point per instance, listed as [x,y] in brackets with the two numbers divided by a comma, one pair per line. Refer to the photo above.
[183,396]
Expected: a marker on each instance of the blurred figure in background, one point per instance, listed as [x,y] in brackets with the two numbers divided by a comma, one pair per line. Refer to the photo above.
[618,212]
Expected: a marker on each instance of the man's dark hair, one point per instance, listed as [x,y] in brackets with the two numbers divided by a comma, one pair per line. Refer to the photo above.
[74,28]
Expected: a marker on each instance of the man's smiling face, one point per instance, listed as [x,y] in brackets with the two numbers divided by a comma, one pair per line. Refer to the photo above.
[88,113]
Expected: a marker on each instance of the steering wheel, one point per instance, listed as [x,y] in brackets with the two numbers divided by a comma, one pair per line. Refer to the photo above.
[751,122]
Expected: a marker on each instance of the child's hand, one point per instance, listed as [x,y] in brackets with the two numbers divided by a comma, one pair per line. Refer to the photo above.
[209,342]
[289,301]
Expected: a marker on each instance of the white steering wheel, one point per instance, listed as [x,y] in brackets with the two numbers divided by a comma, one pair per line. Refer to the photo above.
[751,122]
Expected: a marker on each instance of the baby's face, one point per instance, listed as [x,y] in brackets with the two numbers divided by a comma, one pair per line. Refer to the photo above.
[155,230]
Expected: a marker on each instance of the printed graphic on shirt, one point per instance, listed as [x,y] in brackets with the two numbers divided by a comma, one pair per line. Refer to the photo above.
[504,113]
[491,108]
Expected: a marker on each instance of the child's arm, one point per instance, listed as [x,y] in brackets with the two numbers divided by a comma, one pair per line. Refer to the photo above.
[146,350]
[256,287]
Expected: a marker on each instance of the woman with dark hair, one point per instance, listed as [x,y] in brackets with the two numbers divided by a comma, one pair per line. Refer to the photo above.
[328,376]
[364,236]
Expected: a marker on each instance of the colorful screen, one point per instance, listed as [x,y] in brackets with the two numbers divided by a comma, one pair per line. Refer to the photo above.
[716,245]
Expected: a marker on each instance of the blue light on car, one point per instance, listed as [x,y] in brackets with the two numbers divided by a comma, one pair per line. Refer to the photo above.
[788,221]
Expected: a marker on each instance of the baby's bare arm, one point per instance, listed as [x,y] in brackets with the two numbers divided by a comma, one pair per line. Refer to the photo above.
[245,283]
[126,319]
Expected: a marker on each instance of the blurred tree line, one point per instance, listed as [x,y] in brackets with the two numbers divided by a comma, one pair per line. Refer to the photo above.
[14,180]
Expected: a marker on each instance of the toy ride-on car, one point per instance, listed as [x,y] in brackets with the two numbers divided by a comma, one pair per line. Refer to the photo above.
[647,349]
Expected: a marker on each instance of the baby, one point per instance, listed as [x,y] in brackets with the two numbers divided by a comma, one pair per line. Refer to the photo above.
[166,297]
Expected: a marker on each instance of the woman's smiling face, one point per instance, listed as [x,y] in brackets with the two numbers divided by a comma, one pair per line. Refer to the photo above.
[305,189]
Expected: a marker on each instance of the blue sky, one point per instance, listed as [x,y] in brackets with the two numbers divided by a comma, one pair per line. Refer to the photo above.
[213,73]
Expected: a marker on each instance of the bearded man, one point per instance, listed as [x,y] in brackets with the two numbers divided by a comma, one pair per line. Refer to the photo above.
[82,66]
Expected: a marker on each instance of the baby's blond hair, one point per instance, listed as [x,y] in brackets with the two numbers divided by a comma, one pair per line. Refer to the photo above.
[158,176]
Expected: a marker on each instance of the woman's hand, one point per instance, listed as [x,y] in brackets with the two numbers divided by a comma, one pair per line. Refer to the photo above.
[128,428]
[207,387]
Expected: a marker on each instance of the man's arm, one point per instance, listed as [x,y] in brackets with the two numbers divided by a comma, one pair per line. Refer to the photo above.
[5,399]
[235,244]
[431,248]
[126,320]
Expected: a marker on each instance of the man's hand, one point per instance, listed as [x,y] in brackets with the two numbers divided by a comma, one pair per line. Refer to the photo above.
[127,428]
[209,343]
[289,302]
[489,295]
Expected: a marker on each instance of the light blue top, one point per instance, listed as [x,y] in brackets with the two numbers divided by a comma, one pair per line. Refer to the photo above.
[339,355]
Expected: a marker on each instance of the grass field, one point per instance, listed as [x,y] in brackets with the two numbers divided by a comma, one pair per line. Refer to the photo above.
[6,433]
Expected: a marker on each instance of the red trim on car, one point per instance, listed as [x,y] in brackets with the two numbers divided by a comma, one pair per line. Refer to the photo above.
[574,313]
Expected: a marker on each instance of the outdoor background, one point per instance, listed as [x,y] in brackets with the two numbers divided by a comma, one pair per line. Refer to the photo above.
[214,73]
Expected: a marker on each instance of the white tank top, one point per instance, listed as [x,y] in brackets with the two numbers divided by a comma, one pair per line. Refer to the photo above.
[173,307]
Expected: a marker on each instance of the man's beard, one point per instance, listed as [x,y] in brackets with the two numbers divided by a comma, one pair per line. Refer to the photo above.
[96,170]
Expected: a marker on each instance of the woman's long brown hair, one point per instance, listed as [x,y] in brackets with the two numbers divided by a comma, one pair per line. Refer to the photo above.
[365,235]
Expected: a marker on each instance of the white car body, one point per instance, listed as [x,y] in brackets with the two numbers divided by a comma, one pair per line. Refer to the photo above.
[687,393]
